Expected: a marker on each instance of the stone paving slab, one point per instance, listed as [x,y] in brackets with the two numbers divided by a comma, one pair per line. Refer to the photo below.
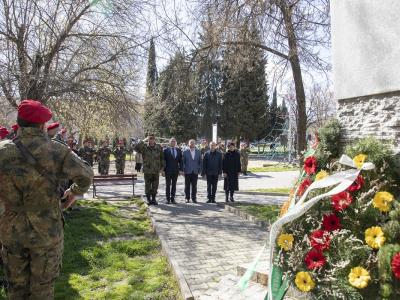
[207,242]
[227,289]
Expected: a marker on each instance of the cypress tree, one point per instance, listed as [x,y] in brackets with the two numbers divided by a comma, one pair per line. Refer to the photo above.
[151,107]
[152,74]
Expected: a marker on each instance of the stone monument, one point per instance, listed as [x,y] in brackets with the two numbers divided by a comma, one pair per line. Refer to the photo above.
[366,65]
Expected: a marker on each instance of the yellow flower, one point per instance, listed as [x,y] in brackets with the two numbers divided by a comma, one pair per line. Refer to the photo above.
[321,175]
[374,237]
[382,201]
[285,241]
[359,160]
[304,281]
[359,277]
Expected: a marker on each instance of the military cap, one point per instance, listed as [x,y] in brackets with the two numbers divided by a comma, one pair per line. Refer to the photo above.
[34,112]
[54,125]
[3,132]
[15,127]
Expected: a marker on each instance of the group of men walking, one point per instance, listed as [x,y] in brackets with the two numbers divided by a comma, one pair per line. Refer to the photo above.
[191,163]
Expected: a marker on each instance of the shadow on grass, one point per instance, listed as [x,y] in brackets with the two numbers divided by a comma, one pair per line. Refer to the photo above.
[83,230]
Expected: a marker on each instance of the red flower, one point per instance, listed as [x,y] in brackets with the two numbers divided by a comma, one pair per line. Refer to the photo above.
[314,259]
[331,222]
[341,201]
[310,165]
[357,184]
[320,240]
[396,265]
[303,186]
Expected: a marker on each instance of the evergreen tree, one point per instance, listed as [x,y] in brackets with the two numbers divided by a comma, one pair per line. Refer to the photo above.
[152,75]
[244,89]
[152,108]
[273,127]
[176,95]
[208,81]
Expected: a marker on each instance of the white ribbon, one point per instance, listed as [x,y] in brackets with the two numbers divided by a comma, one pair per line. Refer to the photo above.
[342,180]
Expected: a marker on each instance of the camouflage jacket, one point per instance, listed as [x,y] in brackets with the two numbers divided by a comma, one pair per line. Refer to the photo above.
[87,154]
[153,157]
[104,153]
[120,154]
[30,208]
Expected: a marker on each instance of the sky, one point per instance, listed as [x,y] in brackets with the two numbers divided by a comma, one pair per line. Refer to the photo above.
[168,39]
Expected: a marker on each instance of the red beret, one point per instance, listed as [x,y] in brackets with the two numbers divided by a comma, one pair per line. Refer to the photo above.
[15,127]
[53,126]
[34,112]
[3,132]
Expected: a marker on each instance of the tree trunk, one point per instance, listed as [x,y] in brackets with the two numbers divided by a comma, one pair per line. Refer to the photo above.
[297,77]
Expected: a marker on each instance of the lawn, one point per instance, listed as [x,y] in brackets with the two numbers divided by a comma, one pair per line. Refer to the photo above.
[111,253]
[273,168]
[271,190]
[263,212]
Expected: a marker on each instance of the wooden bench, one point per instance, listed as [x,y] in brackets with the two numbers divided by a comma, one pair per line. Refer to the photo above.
[108,180]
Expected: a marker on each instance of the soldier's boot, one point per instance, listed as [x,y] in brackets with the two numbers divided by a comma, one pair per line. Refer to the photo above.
[148,199]
[153,199]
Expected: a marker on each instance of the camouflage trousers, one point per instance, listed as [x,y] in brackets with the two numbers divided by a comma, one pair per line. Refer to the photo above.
[245,163]
[104,166]
[31,273]
[151,183]
[120,166]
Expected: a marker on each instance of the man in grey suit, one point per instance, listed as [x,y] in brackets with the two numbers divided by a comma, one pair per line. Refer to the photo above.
[192,169]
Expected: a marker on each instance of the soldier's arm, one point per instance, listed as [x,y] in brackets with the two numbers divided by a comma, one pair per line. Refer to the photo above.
[139,147]
[79,172]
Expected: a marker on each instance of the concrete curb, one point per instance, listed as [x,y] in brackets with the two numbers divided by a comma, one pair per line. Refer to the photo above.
[261,193]
[244,215]
[184,287]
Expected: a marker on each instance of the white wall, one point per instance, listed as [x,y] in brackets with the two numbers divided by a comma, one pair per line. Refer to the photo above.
[366,47]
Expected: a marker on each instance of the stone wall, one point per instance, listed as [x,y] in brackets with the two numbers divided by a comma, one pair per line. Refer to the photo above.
[376,115]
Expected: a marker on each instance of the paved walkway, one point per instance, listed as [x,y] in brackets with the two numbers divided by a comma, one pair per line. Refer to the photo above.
[207,242]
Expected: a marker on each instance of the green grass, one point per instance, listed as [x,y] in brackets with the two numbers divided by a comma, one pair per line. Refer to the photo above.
[260,211]
[97,267]
[271,190]
[273,168]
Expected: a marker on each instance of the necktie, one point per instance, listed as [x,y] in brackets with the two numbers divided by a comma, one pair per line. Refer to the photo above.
[173,152]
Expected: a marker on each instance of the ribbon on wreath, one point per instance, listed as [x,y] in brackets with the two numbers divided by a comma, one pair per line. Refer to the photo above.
[341,180]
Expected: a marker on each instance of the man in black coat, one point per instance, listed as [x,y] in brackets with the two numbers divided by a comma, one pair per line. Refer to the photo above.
[172,167]
[212,168]
[231,168]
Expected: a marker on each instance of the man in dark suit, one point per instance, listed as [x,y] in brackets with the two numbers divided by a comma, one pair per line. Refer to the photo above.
[192,169]
[172,167]
[212,168]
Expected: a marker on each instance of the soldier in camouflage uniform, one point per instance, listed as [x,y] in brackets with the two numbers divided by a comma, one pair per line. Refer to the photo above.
[120,157]
[87,152]
[31,225]
[244,157]
[103,157]
[153,164]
